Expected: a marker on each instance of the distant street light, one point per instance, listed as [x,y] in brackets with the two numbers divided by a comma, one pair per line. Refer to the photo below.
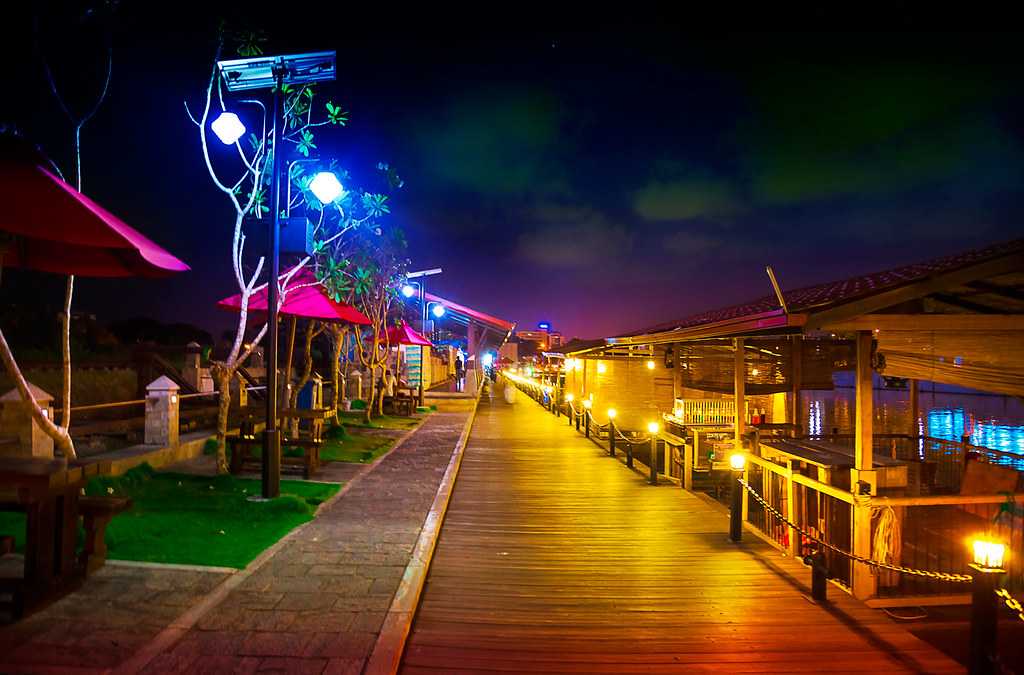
[438,310]
[408,290]
[228,128]
[326,186]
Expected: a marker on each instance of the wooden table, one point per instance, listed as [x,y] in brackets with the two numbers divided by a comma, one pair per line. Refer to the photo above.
[48,492]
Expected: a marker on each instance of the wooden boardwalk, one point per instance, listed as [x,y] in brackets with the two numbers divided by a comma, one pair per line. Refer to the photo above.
[556,558]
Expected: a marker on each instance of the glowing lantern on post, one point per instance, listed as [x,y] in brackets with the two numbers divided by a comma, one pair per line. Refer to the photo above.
[228,128]
[650,365]
[988,554]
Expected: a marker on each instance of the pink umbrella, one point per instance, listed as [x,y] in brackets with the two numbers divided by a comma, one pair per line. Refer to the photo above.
[405,335]
[307,299]
[58,229]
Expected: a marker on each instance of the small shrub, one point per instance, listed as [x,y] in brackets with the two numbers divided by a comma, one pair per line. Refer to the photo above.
[210,446]
[358,404]
[336,432]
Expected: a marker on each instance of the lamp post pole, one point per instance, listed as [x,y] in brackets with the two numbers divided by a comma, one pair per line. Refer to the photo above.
[424,351]
[271,465]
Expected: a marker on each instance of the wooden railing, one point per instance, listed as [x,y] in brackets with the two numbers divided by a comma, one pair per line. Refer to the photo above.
[929,532]
[703,411]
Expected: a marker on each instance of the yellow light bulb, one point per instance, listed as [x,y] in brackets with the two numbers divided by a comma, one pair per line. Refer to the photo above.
[611,413]
[587,403]
[569,398]
[601,368]
[650,365]
[737,461]
[653,427]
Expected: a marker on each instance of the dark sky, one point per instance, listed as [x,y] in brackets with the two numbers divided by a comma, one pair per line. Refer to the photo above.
[603,176]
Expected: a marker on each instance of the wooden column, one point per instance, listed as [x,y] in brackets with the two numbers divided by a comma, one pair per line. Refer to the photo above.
[865,402]
[739,390]
[677,376]
[914,407]
[791,509]
[863,581]
[796,373]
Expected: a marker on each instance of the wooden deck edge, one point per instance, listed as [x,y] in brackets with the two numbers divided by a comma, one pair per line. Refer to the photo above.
[180,626]
[387,651]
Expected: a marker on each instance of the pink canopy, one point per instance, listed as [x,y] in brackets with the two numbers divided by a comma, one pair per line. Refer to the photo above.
[405,335]
[58,229]
[306,298]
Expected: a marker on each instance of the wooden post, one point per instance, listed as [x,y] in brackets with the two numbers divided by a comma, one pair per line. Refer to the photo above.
[791,511]
[688,452]
[796,373]
[863,579]
[739,388]
[739,391]
[913,406]
[677,376]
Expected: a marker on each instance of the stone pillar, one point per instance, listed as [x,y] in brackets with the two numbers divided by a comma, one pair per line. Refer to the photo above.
[162,412]
[193,357]
[16,421]
[355,385]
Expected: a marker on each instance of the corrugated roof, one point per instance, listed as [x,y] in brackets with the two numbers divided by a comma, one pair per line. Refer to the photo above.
[469,312]
[834,293]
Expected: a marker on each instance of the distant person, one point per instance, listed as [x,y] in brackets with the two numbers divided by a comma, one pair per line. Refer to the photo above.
[460,373]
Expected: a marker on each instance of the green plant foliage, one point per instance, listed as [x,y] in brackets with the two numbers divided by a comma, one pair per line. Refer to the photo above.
[210,446]
[358,404]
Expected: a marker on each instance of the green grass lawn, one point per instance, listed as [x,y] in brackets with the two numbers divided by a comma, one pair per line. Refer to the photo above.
[199,520]
[355,448]
[386,422]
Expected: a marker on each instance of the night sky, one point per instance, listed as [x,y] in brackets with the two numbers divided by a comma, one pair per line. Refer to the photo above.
[603,177]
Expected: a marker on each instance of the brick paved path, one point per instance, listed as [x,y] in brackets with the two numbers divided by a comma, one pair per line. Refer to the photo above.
[318,603]
[117,610]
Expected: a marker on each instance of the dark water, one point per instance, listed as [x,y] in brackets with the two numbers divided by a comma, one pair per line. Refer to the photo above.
[992,421]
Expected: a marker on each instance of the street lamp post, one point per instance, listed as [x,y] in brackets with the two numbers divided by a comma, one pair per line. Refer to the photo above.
[421,285]
[260,73]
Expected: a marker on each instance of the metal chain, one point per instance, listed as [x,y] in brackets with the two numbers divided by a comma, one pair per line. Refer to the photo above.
[1011,602]
[941,576]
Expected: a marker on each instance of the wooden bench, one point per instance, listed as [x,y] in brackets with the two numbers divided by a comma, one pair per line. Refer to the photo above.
[97,513]
[309,441]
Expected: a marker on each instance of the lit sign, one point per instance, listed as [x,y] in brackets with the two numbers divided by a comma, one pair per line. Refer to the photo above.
[544,325]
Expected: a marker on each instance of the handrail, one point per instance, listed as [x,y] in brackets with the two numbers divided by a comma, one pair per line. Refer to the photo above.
[787,473]
[103,406]
[939,500]
[216,392]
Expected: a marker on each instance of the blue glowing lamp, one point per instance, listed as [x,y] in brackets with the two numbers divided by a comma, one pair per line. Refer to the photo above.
[438,311]
[228,128]
[408,290]
[326,187]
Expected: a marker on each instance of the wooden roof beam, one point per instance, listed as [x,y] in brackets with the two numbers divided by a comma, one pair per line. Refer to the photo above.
[937,284]
[995,289]
[963,303]
[929,322]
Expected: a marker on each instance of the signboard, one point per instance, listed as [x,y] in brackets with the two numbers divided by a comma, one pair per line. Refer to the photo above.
[412,356]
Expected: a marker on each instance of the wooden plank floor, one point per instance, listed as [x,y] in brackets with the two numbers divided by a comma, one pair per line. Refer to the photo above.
[556,558]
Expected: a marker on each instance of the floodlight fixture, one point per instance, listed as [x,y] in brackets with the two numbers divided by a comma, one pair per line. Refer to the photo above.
[326,186]
[408,290]
[261,72]
[438,310]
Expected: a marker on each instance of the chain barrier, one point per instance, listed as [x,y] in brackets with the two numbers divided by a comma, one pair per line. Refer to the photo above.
[941,576]
[1012,603]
